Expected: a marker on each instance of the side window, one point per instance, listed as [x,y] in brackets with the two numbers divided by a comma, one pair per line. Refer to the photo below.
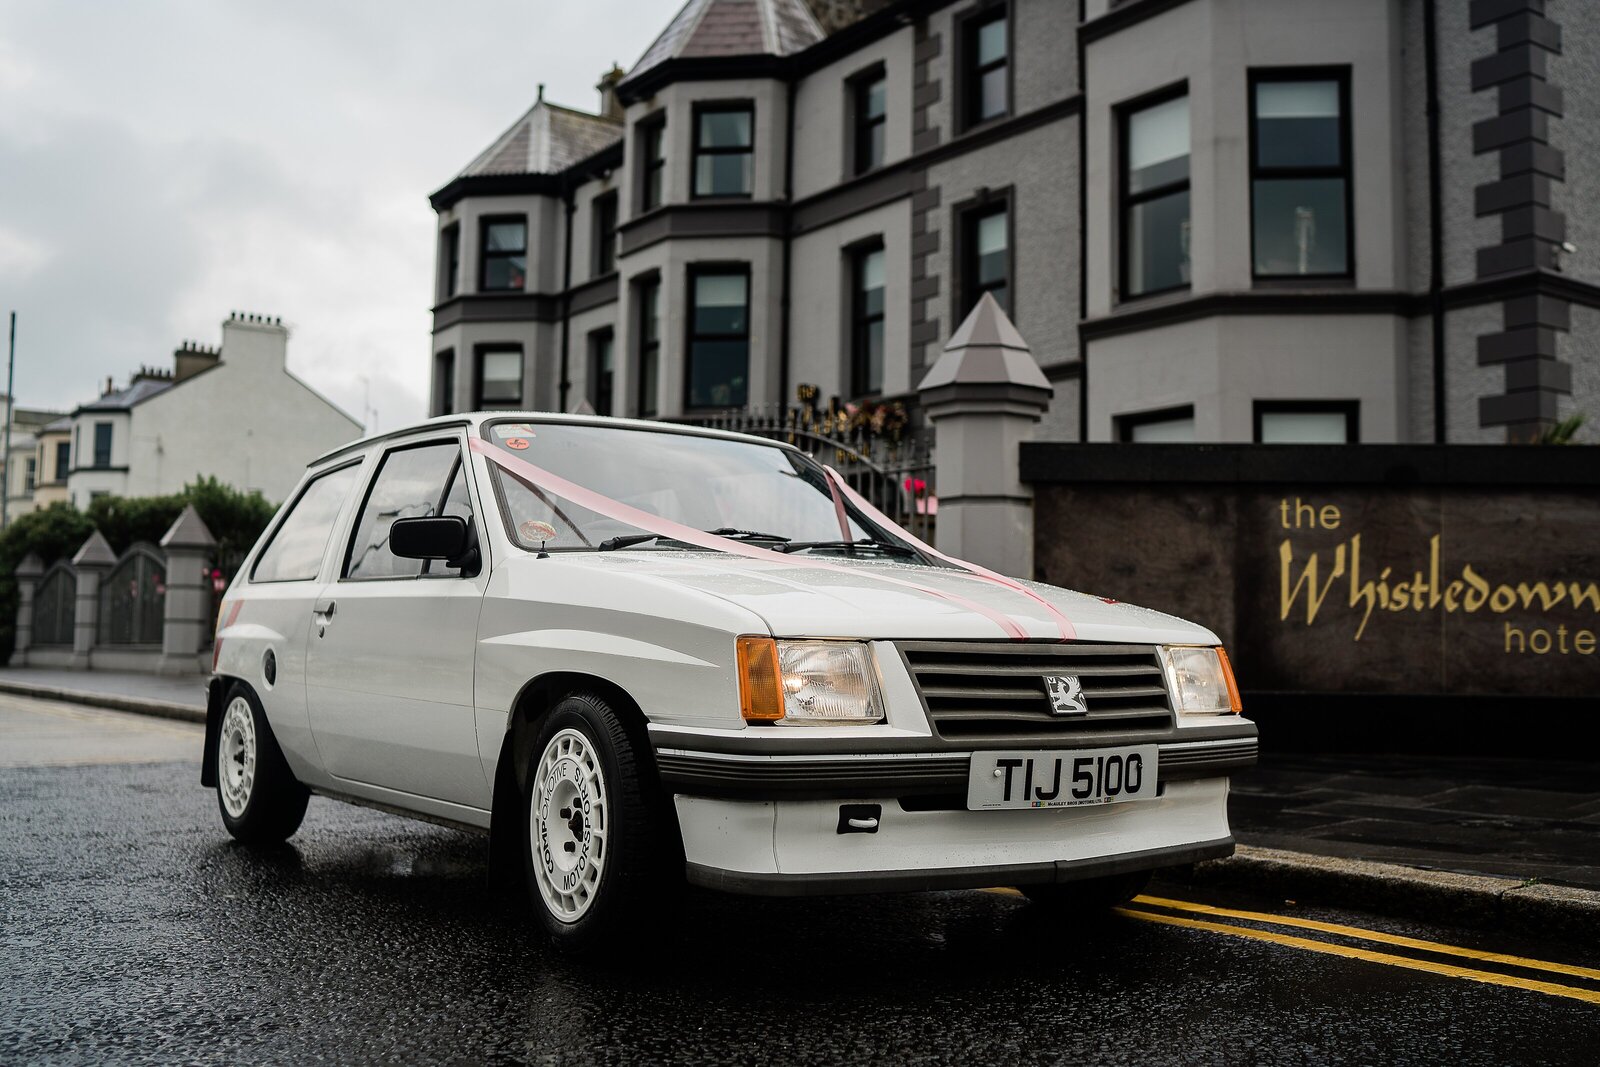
[412,483]
[295,552]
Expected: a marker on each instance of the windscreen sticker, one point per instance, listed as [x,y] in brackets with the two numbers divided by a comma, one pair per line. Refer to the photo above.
[534,530]
[516,444]
[514,429]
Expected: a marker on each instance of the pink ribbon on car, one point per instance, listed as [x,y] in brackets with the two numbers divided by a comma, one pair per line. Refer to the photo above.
[616,510]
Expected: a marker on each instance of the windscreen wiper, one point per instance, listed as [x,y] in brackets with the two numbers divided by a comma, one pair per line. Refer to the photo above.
[886,547]
[611,544]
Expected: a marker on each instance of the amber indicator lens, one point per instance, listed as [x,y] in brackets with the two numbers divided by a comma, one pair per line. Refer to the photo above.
[760,692]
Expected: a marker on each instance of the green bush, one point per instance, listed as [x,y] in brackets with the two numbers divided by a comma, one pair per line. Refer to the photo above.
[235,519]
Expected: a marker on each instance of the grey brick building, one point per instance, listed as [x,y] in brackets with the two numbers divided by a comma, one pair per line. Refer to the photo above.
[1218,220]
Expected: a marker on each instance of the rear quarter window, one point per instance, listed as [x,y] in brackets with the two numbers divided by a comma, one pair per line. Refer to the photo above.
[298,544]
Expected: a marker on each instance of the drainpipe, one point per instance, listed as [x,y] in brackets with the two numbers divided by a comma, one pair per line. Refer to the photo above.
[788,242]
[1435,221]
[1083,241]
[566,301]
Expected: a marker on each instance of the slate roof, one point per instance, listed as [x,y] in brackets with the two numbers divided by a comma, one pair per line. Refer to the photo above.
[123,399]
[546,140]
[707,29]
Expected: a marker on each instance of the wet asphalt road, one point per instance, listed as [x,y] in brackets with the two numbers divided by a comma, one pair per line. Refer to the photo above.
[132,929]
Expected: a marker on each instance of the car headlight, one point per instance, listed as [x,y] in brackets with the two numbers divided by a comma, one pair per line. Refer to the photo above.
[807,682]
[1200,679]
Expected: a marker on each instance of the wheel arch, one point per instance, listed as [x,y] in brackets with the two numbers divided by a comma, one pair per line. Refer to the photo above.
[533,701]
[216,700]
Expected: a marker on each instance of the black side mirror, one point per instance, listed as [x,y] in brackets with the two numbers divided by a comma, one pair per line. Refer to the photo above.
[436,537]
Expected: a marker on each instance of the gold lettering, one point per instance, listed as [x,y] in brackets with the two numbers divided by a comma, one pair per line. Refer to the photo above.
[1548,597]
[1452,595]
[1503,599]
[1479,587]
[1522,639]
[1433,571]
[1288,594]
[1578,594]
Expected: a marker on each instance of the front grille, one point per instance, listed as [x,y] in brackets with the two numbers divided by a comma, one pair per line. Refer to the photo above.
[978,692]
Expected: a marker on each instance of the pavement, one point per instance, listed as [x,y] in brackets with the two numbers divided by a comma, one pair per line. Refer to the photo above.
[1405,833]
[133,930]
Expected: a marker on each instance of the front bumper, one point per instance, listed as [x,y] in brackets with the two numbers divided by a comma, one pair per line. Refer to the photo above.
[759,817]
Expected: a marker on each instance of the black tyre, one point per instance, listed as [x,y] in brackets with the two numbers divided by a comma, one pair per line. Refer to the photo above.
[593,834]
[261,801]
[1090,894]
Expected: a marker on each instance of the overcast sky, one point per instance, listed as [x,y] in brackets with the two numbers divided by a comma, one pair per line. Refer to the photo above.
[165,162]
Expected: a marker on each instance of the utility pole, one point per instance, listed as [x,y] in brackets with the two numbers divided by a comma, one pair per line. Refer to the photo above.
[11,378]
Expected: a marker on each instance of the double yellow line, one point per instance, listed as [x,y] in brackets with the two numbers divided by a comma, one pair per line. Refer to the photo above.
[1356,933]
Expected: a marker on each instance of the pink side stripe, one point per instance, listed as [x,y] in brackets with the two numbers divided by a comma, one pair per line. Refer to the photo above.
[615,509]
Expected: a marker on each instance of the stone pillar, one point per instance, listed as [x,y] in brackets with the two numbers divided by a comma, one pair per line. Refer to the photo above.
[188,545]
[92,562]
[983,396]
[28,573]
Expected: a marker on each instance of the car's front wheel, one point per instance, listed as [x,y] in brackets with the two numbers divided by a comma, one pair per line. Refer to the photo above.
[262,803]
[593,849]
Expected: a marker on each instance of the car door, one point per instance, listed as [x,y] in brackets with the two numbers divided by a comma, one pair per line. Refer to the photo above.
[390,656]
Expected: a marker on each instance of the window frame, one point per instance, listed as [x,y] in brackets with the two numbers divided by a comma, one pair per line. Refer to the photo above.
[110,435]
[283,518]
[603,237]
[695,272]
[1340,74]
[648,348]
[609,335]
[726,107]
[861,320]
[1126,201]
[965,217]
[647,131]
[460,467]
[969,86]
[1126,423]
[495,347]
[63,460]
[450,261]
[1350,409]
[858,91]
[484,255]
[444,384]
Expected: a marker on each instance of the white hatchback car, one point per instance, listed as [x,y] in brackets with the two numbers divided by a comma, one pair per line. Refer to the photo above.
[628,649]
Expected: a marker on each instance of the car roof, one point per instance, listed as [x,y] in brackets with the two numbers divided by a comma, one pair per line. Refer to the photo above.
[473,419]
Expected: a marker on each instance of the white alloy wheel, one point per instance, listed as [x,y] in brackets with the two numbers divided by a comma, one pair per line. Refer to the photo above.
[236,757]
[568,824]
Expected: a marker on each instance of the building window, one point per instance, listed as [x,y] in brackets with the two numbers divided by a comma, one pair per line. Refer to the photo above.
[31,476]
[649,300]
[444,381]
[719,338]
[1308,422]
[724,161]
[499,377]
[102,444]
[984,255]
[504,263]
[1166,426]
[652,162]
[602,372]
[1300,174]
[605,234]
[866,320]
[868,107]
[63,459]
[986,47]
[450,261]
[1155,196]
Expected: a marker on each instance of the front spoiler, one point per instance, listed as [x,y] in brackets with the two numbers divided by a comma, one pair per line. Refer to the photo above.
[914,881]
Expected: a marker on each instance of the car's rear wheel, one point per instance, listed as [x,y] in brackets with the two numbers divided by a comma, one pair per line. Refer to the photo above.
[593,845]
[1090,894]
[261,801]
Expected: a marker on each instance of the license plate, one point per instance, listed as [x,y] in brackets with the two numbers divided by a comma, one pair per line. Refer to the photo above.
[1061,779]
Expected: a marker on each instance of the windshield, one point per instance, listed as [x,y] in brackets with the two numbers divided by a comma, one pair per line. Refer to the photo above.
[707,483]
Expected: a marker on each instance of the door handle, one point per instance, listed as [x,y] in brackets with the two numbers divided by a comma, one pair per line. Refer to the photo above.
[325,608]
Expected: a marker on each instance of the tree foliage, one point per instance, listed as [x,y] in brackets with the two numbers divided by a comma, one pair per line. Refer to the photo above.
[235,519]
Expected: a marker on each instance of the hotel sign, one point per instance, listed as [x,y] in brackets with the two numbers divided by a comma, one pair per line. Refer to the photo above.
[1361,583]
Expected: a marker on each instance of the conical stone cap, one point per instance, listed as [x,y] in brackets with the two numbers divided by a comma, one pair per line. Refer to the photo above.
[96,552]
[986,350]
[188,530]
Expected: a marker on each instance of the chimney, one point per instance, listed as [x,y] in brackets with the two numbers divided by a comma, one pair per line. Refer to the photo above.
[108,390]
[254,340]
[190,358]
[610,106]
